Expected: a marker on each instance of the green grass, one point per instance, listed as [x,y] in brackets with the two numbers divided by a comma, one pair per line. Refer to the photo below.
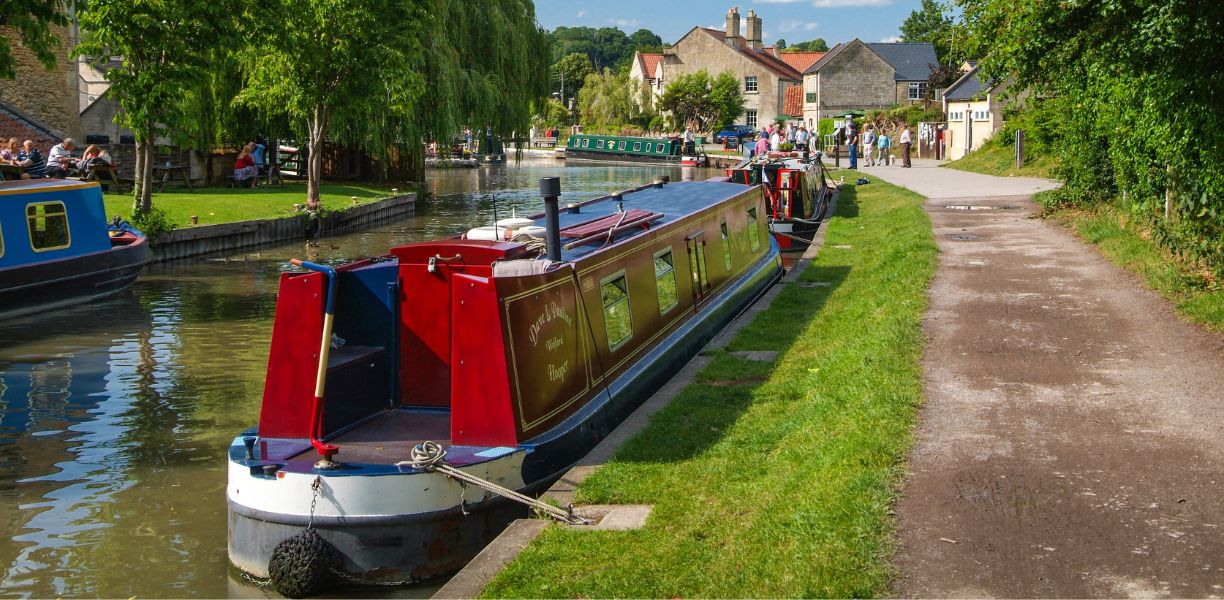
[1197,295]
[227,205]
[773,480]
[995,158]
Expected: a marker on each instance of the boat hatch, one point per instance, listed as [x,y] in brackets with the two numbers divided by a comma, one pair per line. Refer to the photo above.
[633,216]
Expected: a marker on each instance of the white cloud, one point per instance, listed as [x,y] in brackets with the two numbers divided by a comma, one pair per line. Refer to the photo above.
[582,13]
[892,39]
[797,25]
[626,22]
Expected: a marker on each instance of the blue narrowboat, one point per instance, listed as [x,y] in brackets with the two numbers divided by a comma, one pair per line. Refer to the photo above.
[56,248]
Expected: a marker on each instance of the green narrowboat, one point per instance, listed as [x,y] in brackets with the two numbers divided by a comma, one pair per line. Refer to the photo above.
[620,148]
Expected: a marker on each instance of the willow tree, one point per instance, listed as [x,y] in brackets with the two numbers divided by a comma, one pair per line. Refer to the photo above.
[165,48]
[346,65]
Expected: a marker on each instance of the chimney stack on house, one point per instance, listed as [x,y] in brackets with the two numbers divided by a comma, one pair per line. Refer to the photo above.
[733,22]
[754,31]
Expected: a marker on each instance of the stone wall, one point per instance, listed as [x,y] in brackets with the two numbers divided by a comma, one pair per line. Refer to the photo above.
[699,50]
[49,97]
[855,79]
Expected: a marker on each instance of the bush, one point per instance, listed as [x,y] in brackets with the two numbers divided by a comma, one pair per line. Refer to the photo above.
[154,223]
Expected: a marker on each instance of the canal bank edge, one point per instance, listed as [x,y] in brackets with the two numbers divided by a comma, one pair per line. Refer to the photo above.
[470,581]
[206,239]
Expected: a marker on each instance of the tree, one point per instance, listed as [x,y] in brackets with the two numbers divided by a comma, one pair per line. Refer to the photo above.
[727,96]
[781,44]
[816,45]
[334,72]
[570,73]
[609,99]
[645,40]
[165,46]
[942,77]
[930,24]
[698,99]
[606,47]
[32,21]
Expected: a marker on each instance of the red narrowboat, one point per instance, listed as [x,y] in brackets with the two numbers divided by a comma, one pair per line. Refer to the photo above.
[516,357]
[796,191]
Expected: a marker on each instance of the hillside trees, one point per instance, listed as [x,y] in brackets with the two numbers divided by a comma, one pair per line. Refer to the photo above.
[1138,99]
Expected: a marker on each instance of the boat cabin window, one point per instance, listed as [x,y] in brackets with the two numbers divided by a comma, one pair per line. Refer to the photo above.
[620,146]
[600,144]
[650,146]
[586,143]
[617,321]
[697,264]
[726,243]
[48,223]
[665,281]
[637,146]
[1,242]
[754,236]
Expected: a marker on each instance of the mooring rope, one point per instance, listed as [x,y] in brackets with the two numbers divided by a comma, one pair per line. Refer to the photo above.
[428,456]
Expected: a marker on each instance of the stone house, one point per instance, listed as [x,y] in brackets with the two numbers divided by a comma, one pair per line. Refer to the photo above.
[764,76]
[648,68]
[974,110]
[861,76]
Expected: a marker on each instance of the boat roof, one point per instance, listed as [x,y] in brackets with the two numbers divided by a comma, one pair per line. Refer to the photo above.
[673,201]
[26,186]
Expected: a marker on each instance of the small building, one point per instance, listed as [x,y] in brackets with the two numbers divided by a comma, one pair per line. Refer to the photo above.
[861,76]
[764,76]
[974,111]
[648,68]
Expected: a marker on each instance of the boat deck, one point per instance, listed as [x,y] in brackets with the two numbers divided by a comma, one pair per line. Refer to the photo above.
[387,437]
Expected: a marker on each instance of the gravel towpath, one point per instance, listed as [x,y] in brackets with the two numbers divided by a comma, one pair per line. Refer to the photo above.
[1072,439]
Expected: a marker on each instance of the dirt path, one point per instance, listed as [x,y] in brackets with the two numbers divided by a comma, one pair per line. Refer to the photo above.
[1072,440]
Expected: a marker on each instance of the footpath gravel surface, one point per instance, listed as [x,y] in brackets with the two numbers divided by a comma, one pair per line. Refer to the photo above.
[1072,439]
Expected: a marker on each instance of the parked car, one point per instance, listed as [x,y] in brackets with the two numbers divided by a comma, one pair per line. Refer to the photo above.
[739,132]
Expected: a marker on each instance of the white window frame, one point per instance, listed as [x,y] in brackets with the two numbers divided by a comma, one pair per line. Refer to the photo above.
[750,84]
[917,90]
[750,118]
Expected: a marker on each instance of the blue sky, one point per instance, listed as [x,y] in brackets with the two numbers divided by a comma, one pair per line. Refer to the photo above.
[792,20]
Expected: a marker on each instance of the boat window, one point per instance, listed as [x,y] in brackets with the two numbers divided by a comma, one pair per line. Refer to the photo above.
[617,321]
[621,146]
[637,146]
[754,236]
[586,143]
[665,281]
[650,146]
[48,223]
[1,243]
[726,243]
[600,144]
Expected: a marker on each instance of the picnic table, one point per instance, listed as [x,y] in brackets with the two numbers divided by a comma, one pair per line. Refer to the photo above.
[104,174]
[10,172]
[167,172]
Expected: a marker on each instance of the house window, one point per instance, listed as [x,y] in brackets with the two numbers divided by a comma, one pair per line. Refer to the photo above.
[980,115]
[617,322]
[811,98]
[751,118]
[726,240]
[917,91]
[750,84]
[665,281]
[48,223]
[754,236]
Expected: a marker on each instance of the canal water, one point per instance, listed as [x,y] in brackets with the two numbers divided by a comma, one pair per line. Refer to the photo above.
[115,417]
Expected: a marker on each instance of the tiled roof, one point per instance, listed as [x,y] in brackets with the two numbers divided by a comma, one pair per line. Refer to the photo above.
[828,57]
[968,87]
[650,64]
[912,61]
[792,103]
[800,61]
[769,61]
[15,124]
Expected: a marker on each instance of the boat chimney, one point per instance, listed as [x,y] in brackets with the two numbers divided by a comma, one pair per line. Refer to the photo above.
[550,189]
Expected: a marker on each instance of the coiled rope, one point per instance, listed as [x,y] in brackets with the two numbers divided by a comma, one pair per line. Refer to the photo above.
[429,456]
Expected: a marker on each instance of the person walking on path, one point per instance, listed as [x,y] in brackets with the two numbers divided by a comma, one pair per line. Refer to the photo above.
[883,147]
[869,141]
[852,140]
[906,141]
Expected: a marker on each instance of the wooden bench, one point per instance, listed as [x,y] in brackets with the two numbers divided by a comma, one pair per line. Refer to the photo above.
[547,142]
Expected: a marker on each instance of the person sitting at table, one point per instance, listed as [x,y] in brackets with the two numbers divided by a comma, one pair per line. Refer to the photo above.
[257,154]
[245,171]
[93,157]
[32,161]
[60,162]
[8,152]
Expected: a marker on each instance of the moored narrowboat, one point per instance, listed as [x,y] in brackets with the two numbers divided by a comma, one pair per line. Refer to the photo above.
[56,248]
[796,191]
[620,148]
[515,357]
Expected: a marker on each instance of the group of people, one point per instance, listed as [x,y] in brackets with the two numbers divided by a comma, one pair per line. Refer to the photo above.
[249,163]
[772,137]
[60,160]
[877,147]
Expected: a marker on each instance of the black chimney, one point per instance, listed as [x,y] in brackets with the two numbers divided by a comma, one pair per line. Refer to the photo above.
[550,189]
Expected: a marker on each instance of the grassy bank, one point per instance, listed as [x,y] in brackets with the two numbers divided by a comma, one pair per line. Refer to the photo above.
[1126,243]
[227,205]
[773,480]
[997,158]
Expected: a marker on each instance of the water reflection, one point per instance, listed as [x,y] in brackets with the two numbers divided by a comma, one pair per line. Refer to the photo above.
[114,417]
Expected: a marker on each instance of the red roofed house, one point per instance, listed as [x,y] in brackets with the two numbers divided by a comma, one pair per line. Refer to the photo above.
[764,76]
[647,67]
